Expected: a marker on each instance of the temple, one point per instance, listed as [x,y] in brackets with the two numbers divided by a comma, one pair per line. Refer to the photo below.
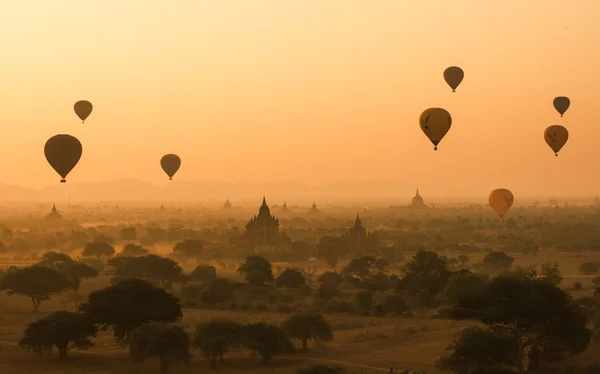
[227,205]
[358,229]
[417,202]
[284,209]
[53,215]
[314,209]
[263,229]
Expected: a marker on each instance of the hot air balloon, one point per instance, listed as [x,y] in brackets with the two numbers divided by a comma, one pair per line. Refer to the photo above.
[435,123]
[453,76]
[83,109]
[63,153]
[556,136]
[561,104]
[170,164]
[501,200]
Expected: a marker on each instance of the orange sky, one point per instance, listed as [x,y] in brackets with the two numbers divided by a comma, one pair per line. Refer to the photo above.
[317,91]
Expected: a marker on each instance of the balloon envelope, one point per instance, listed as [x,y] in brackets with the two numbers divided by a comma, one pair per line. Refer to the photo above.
[501,200]
[170,164]
[561,104]
[435,123]
[63,153]
[556,137]
[83,109]
[453,76]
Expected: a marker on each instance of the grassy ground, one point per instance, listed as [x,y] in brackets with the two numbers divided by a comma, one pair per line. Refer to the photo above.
[362,344]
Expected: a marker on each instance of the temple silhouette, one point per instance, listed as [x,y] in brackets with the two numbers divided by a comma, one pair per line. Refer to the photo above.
[227,205]
[53,215]
[262,231]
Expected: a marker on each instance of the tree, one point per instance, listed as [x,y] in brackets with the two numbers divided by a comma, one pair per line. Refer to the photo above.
[291,278]
[95,263]
[426,264]
[61,329]
[186,249]
[481,350]
[133,250]
[551,273]
[496,262]
[256,264]
[55,260]
[426,271]
[170,343]
[157,234]
[329,283]
[216,337]
[365,266]
[128,234]
[98,249]
[267,340]
[377,283]
[36,282]
[104,239]
[161,269]
[462,284]
[533,311]
[219,290]
[204,274]
[129,304]
[304,326]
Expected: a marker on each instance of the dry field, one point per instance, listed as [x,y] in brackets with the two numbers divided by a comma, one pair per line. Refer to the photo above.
[362,344]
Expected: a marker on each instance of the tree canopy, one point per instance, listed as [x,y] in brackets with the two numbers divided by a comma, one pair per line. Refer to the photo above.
[129,304]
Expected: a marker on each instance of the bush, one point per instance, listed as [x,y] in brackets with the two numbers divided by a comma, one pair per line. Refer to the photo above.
[577,285]
[291,278]
[590,267]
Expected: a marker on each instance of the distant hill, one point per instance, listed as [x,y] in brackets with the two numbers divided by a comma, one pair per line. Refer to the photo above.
[207,191]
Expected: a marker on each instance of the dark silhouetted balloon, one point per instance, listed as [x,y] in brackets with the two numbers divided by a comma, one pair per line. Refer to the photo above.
[453,76]
[170,164]
[561,104]
[556,137]
[83,109]
[501,200]
[435,123]
[63,153]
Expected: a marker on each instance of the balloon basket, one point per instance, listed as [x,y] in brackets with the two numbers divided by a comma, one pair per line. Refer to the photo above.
[63,181]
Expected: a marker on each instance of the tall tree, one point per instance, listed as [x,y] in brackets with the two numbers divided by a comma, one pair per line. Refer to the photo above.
[256,265]
[305,326]
[216,337]
[267,340]
[128,305]
[533,312]
[61,329]
[36,282]
[170,343]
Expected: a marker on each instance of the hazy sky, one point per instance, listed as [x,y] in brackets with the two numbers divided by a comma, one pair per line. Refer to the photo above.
[311,90]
